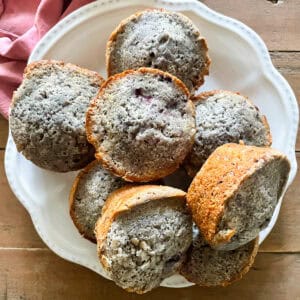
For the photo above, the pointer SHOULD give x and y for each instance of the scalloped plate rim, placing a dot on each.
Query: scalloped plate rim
(202, 11)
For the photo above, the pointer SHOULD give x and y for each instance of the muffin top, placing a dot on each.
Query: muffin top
(142, 235)
(47, 118)
(225, 117)
(159, 39)
(88, 195)
(141, 124)
(209, 267)
(234, 195)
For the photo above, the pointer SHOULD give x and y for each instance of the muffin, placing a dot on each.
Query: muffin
(141, 124)
(159, 39)
(142, 235)
(208, 267)
(225, 117)
(88, 195)
(235, 193)
(47, 118)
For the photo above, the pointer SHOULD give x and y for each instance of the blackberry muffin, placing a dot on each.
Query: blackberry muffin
(88, 195)
(141, 124)
(159, 39)
(142, 235)
(225, 117)
(47, 118)
(208, 267)
(233, 196)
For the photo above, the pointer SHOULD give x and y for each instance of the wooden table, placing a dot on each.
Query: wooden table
(29, 270)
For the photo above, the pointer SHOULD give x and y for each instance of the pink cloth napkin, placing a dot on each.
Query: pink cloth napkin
(22, 24)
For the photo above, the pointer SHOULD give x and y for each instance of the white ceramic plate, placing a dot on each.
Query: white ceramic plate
(240, 62)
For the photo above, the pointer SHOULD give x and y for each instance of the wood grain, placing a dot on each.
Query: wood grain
(29, 270)
(3, 132)
(288, 64)
(16, 228)
(40, 274)
(277, 24)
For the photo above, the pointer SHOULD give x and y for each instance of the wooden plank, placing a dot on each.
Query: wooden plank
(288, 64)
(285, 236)
(277, 24)
(16, 228)
(40, 274)
(3, 132)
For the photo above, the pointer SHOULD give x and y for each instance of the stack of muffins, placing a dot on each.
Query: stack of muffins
(140, 125)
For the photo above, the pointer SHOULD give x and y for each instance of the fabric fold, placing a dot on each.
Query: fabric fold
(22, 25)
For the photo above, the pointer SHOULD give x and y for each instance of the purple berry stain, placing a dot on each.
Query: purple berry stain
(140, 93)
